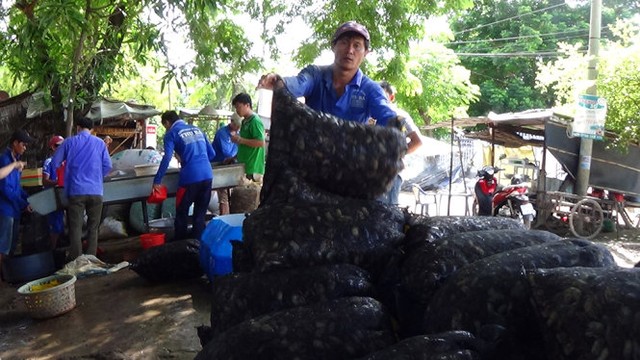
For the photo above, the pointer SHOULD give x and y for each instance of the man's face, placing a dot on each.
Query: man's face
(349, 51)
(18, 147)
(242, 109)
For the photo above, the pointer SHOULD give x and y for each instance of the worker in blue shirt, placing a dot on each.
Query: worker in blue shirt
(13, 199)
(341, 89)
(226, 151)
(195, 153)
(87, 164)
(50, 179)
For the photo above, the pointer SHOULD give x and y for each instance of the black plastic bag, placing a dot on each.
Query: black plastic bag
(176, 260)
(495, 291)
(588, 313)
(345, 328)
(241, 296)
(356, 232)
(342, 157)
(452, 345)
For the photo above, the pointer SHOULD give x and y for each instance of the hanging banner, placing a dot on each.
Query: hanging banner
(591, 113)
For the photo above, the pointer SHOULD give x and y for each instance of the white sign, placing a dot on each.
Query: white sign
(151, 135)
(591, 113)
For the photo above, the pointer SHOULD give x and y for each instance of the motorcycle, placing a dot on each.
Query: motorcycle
(509, 201)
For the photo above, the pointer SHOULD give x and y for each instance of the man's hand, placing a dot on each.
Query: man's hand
(398, 122)
(235, 139)
(19, 165)
(270, 81)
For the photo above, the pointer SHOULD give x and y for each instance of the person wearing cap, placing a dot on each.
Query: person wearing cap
(341, 89)
(50, 179)
(226, 151)
(13, 199)
(87, 162)
(195, 154)
(412, 134)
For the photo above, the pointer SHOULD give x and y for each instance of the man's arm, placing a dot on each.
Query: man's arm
(414, 142)
(256, 133)
(228, 148)
(254, 143)
(380, 106)
(7, 169)
(211, 152)
(412, 131)
(299, 85)
(106, 162)
(166, 158)
(58, 156)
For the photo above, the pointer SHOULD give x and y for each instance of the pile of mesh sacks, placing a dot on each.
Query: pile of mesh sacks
(325, 271)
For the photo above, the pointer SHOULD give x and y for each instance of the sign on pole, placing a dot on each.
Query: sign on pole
(591, 113)
(151, 136)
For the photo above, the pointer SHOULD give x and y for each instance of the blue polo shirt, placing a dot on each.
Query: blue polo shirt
(88, 162)
(13, 199)
(194, 151)
(223, 146)
(363, 98)
(47, 170)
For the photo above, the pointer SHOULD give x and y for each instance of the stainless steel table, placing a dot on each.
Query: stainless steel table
(125, 189)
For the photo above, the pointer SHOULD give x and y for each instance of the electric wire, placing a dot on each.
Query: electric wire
(518, 54)
(584, 32)
(517, 37)
(510, 18)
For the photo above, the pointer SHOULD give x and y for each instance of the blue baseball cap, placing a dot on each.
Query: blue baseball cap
(351, 26)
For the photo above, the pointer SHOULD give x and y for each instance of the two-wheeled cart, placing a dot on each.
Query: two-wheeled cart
(617, 172)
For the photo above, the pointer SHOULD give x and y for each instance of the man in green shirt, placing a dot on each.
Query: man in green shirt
(251, 138)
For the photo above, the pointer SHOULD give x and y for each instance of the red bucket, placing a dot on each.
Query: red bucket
(151, 240)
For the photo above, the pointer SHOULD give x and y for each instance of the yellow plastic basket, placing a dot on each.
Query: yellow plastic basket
(50, 301)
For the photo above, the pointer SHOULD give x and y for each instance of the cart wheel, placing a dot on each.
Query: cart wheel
(586, 219)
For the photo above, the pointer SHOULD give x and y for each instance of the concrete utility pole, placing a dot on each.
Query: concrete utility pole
(586, 145)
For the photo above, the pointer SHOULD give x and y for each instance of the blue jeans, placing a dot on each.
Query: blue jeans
(392, 197)
(198, 194)
(9, 228)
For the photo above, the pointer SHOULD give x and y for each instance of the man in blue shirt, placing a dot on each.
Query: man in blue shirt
(87, 163)
(195, 153)
(13, 199)
(50, 179)
(341, 89)
(226, 151)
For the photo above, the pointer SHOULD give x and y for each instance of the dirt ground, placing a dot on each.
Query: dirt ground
(117, 316)
(122, 316)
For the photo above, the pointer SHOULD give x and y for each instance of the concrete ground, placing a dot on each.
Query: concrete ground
(122, 316)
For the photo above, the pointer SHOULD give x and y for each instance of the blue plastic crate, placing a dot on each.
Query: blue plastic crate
(215, 245)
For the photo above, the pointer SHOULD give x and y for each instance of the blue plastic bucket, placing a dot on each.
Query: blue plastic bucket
(19, 269)
(215, 245)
